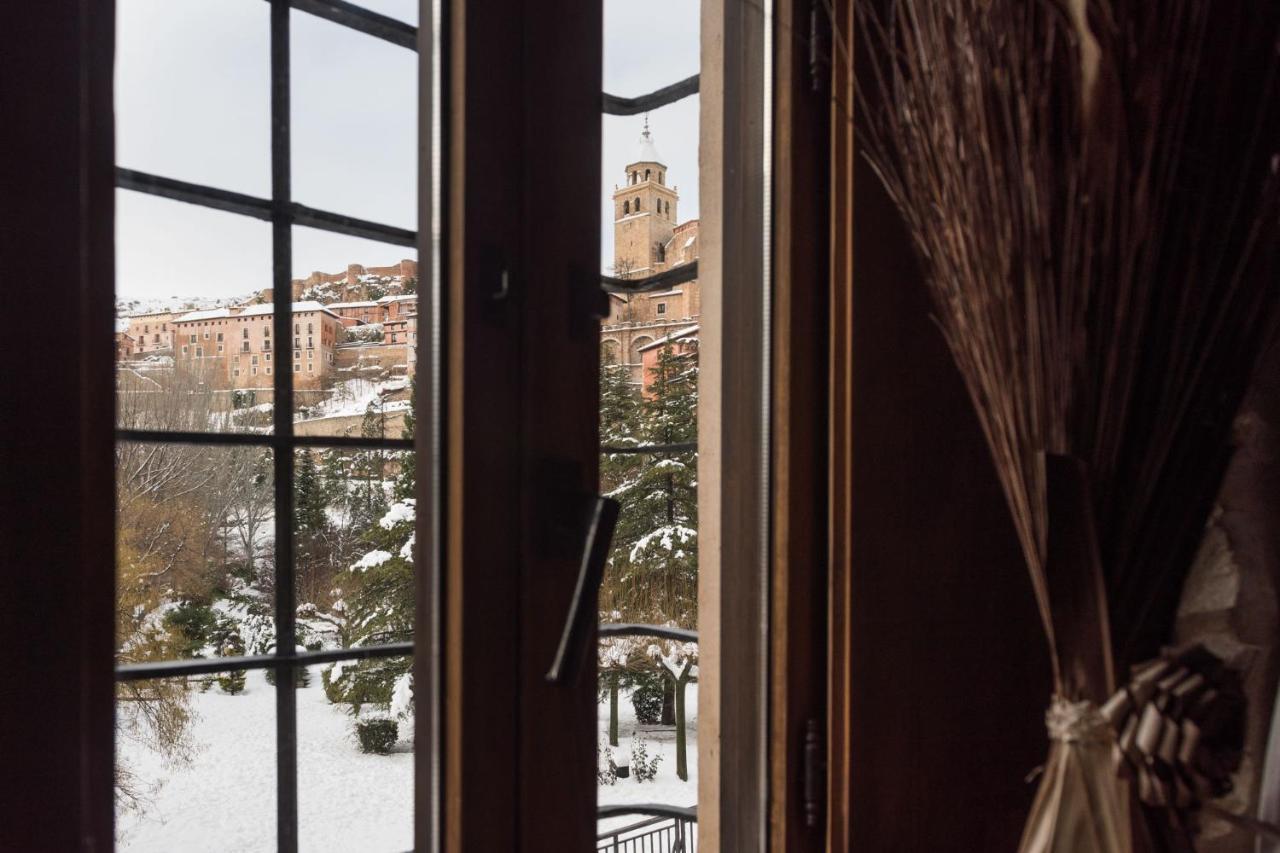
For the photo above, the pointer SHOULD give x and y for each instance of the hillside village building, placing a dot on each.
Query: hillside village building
(150, 332)
(234, 347)
(647, 240)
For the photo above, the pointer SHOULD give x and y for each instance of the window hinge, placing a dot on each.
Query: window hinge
(815, 773)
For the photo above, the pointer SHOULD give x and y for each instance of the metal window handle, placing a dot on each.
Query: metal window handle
(582, 609)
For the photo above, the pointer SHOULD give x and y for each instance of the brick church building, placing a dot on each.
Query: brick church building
(648, 238)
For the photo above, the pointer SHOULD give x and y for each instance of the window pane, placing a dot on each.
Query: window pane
(355, 758)
(648, 687)
(193, 91)
(401, 10)
(353, 543)
(187, 281)
(356, 335)
(355, 112)
(195, 764)
(195, 551)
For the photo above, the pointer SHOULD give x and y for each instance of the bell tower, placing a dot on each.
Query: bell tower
(644, 213)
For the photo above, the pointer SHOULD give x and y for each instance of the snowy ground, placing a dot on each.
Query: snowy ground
(347, 801)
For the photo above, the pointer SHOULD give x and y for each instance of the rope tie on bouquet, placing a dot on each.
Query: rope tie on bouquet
(1077, 722)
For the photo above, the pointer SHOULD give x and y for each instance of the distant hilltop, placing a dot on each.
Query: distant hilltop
(357, 283)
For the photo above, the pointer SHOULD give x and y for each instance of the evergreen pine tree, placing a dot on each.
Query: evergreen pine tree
(309, 498)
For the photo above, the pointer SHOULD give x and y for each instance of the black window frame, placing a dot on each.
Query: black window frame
(283, 213)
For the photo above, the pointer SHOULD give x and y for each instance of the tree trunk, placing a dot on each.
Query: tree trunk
(668, 700)
(613, 710)
(682, 758)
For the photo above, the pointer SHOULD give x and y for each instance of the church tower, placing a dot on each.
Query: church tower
(644, 214)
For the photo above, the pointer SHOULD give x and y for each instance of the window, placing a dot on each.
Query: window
(219, 337)
(309, 344)
(266, 346)
(219, 347)
(626, 207)
(297, 343)
(308, 328)
(244, 333)
(244, 346)
(668, 204)
(662, 307)
(193, 339)
(637, 204)
(199, 352)
(266, 331)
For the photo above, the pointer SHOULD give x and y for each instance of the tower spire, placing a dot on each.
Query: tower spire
(646, 125)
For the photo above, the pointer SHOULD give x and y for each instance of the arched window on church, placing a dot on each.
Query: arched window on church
(626, 208)
(662, 252)
(646, 174)
(668, 208)
(661, 176)
(637, 204)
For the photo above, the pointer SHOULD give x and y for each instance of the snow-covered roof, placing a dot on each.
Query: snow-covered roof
(674, 336)
(647, 152)
(399, 298)
(251, 311)
(353, 304)
(211, 314)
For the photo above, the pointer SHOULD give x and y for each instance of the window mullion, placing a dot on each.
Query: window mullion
(282, 320)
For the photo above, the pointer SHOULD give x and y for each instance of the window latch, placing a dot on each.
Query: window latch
(582, 609)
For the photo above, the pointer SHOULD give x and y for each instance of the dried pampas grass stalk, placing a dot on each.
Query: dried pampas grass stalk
(1091, 189)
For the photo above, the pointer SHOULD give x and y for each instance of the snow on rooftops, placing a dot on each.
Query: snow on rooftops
(353, 305)
(674, 336)
(204, 315)
(250, 311)
(399, 297)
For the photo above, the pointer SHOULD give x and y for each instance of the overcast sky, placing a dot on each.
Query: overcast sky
(193, 102)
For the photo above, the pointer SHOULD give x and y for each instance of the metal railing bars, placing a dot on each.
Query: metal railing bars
(205, 666)
(661, 281)
(689, 813)
(680, 447)
(656, 835)
(616, 106)
(261, 208)
(272, 440)
(362, 20)
(629, 629)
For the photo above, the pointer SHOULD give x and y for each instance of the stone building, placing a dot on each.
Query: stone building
(151, 332)
(233, 345)
(353, 283)
(647, 240)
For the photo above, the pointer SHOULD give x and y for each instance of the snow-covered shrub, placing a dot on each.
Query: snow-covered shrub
(643, 768)
(606, 767)
(377, 734)
(232, 682)
(191, 624)
(370, 333)
(646, 697)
